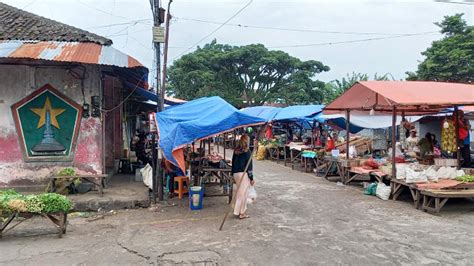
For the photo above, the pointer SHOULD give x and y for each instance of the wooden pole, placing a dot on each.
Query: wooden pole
(348, 120)
(394, 140)
(456, 128)
(245, 171)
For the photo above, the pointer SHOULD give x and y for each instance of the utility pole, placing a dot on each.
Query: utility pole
(158, 18)
(165, 51)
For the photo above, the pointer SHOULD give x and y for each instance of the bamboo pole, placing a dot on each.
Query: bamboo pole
(394, 139)
(245, 171)
(456, 128)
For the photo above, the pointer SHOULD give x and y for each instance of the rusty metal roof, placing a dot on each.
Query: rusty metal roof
(86, 53)
(17, 24)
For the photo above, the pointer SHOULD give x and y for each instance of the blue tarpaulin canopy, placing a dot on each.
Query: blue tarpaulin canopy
(298, 112)
(265, 112)
(197, 119)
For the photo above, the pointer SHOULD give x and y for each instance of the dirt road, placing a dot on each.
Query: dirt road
(298, 219)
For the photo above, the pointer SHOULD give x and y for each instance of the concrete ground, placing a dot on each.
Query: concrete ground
(122, 192)
(298, 219)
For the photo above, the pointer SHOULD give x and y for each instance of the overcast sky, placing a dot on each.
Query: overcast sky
(128, 24)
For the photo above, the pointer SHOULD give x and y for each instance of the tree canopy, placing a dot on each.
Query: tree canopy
(246, 76)
(451, 58)
(336, 87)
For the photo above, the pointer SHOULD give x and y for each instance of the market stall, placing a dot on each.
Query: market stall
(412, 98)
(195, 121)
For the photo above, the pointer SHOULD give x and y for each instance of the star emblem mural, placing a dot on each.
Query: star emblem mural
(47, 123)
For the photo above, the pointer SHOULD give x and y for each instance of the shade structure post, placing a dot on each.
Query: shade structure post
(348, 120)
(456, 128)
(394, 139)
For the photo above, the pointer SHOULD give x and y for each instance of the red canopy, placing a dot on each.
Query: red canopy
(412, 97)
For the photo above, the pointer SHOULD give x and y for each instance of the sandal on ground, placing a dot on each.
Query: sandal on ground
(243, 216)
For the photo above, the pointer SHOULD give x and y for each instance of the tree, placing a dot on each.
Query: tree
(246, 75)
(336, 87)
(451, 58)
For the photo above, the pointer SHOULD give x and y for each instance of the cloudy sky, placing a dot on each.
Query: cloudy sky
(334, 32)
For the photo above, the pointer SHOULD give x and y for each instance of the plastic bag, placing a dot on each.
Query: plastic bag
(383, 191)
(147, 173)
(352, 151)
(371, 189)
(252, 195)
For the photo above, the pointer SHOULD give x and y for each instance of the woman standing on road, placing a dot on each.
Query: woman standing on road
(240, 158)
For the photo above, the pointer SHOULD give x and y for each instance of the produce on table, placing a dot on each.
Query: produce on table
(12, 201)
(370, 164)
(55, 203)
(465, 178)
(68, 171)
(34, 204)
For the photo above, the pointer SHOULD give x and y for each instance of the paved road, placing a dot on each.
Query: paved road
(299, 219)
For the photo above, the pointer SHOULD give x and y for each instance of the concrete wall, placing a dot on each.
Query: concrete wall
(18, 81)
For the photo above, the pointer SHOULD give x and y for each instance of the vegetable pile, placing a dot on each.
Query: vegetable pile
(68, 171)
(465, 178)
(12, 201)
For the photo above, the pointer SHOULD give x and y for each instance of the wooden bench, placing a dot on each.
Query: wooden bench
(97, 180)
(58, 219)
(434, 200)
(397, 187)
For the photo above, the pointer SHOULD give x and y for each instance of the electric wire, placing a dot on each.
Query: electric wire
(215, 30)
(350, 41)
(288, 29)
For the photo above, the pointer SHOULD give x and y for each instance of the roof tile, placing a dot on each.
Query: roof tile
(17, 24)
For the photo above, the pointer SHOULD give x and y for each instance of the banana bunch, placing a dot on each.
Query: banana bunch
(448, 137)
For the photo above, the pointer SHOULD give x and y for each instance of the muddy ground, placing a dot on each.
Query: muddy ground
(298, 219)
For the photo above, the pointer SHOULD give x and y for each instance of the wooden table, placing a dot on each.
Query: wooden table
(355, 174)
(58, 219)
(331, 162)
(434, 200)
(397, 187)
(97, 180)
(226, 181)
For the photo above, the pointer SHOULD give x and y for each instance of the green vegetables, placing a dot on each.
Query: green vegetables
(465, 178)
(12, 201)
(54, 202)
(68, 171)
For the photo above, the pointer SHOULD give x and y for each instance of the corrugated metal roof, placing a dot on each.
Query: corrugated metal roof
(86, 53)
(412, 96)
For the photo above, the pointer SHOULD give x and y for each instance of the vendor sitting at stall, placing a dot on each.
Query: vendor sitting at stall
(171, 171)
(412, 141)
(426, 145)
(331, 142)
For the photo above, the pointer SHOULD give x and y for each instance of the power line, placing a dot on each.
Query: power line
(289, 29)
(214, 31)
(466, 2)
(134, 22)
(352, 41)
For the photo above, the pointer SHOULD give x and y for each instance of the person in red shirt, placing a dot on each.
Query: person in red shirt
(269, 132)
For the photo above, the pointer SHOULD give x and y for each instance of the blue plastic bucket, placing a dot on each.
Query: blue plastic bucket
(196, 194)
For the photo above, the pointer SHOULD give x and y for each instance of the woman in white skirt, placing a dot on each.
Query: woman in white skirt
(241, 156)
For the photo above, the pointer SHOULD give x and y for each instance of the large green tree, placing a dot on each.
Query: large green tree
(246, 76)
(451, 58)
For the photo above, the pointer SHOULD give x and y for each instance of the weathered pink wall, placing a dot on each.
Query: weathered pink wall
(89, 146)
(18, 81)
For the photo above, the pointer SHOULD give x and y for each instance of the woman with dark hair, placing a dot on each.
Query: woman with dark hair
(244, 180)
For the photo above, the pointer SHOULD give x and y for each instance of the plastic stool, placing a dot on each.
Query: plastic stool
(181, 190)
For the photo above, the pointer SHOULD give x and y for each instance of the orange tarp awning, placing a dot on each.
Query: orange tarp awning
(410, 96)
